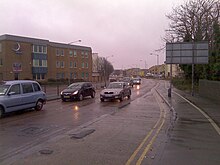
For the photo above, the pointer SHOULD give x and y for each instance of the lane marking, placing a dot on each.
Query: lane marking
(142, 143)
(155, 135)
(162, 117)
(216, 127)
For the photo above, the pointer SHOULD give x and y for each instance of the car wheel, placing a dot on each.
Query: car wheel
(93, 94)
(63, 100)
(80, 97)
(102, 100)
(129, 96)
(122, 97)
(39, 105)
(1, 112)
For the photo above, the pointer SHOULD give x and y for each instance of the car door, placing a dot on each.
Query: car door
(28, 95)
(86, 89)
(13, 98)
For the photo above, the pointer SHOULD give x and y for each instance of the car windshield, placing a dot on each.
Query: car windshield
(74, 86)
(3, 89)
(115, 85)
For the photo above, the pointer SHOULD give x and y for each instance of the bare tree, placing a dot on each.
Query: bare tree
(193, 21)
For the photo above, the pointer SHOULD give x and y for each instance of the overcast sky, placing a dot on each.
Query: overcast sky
(128, 30)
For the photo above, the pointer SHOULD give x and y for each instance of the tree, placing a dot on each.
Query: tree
(196, 20)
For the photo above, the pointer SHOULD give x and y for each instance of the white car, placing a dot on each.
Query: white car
(115, 90)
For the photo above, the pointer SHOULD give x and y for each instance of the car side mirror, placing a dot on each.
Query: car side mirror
(11, 93)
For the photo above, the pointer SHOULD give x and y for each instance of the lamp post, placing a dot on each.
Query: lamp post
(157, 58)
(105, 69)
(70, 59)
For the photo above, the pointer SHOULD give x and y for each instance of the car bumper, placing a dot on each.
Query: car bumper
(69, 97)
(110, 96)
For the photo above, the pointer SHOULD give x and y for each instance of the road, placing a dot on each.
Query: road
(136, 131)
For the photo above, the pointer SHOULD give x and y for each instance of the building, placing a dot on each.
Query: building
(176, 70)
(39, 59)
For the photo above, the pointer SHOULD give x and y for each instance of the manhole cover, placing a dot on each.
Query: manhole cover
(82, 134)
(46, 152)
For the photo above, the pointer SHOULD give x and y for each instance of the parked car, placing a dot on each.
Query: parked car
(77, 91)
(128, 80)
(136, 81)
(20, 94)
(115, 90)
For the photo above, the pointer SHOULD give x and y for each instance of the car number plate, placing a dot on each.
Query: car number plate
(66, 97)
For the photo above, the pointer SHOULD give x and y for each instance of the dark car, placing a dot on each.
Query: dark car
(128, 80)
(77, 91)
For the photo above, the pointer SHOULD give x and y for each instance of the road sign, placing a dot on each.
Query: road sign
(187, 53)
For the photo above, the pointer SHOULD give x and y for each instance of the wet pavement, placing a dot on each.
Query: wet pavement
(194, 136)
(187, 136)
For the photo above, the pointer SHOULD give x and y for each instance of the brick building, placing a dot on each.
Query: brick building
(39, 59)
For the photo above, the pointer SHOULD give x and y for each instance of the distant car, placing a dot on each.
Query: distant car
(77, 91)
(115, 90)
(136, 81)
(128, 80)
(20, 94)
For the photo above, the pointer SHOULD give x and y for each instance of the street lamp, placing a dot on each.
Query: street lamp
(157, 59)
(69, 57)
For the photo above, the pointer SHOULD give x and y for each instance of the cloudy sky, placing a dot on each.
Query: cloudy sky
(125, 31)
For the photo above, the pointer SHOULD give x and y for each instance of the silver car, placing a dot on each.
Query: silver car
(20, 94)
(115, 90)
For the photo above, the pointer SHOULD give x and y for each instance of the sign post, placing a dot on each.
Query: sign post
(187, 53)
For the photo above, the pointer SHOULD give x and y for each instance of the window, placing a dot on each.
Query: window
(62, 52)
(27, 88)
(71, 64)
(86, 54)
(87, 75)
(44, 63)
(82, 54)
(62, 64)
(0, 47)
(75, 75)
(74, 53)
(87, 65)
(35, 63)
(58, 64)
(82, 64)
(16, 89)
(40, 49)
(75, 65)
(71, 53)
(59, 52)
(36, 87)
(82, 74)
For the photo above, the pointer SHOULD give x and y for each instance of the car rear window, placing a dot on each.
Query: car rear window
(36, 87)
(27, 88)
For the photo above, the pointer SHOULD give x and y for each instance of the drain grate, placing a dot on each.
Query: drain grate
(82, 134)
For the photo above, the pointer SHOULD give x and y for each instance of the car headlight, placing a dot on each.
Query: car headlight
(61, 93)
(74, 93)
